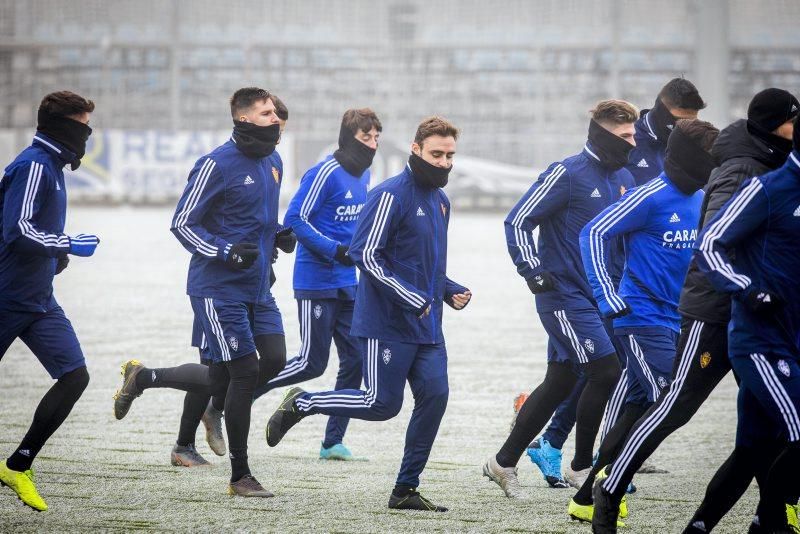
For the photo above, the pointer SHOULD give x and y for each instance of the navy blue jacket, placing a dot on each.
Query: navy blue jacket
(659, 225)
(646, 160)
(230, 199)
(33, 209)
(324, 213)
(400, 247)
(761, 225)
(566, 196)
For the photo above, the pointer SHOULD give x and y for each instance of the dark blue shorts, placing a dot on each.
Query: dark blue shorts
(577, 336)
(650, 352)
(49, 335)
(200, 341)
(230, 326)
(769, 399)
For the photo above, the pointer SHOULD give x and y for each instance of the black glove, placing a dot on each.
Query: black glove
(762, 302)
(242, 256)
(62, 263)
(274, 254)
(286, 240)
(622, 313)
(342, 257)
(541, 282)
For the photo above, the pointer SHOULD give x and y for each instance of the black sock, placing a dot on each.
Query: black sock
(218, 402)
(726, 487)
(271, 356)
(53, 409)
(534, 414)
(782, 481)
(243, 374)
(194, 405)
(601, 377)
(192, 377)
(609, 448)
(402, 491)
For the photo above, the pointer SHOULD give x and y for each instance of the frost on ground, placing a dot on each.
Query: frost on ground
(128, 301)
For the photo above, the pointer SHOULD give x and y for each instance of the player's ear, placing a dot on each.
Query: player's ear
(416, 149)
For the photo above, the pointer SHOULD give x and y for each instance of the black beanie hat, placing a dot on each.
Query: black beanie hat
(772, 107)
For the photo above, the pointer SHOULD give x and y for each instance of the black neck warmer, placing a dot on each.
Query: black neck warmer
(255, 141)
(780, 147)
(68, 132)
(611, 149)
(686, 164)
(426, 175)
(661, 121)
(353, 155)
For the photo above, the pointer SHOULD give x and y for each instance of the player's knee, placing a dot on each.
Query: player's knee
(605, 370)
(386, 408)
(76, 381)
(244, 371)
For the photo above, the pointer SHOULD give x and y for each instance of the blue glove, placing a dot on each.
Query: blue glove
(83, 245)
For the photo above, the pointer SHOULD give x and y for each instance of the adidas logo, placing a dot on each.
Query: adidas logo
(595, 193)
(420, 213)
(349, 194)
(794, 108)
(643, 164)
(674, 218)
(25, 452)
(248, 180)
(797, 212)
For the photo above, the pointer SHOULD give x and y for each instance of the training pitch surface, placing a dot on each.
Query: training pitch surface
(128, 301)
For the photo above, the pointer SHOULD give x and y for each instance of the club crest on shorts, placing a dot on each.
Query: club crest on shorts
(589, 344)
(662, 382)
(783, 367)
(317, 311)
(705, 359)
(234, 343)
(387, 355)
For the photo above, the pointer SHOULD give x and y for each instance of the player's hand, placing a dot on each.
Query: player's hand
(541, 283)
(460, 300)
(62, 263)
(426, 312)
(242, 256)
(342, 257)
(762, 302)
(286, 240)
(83, 244)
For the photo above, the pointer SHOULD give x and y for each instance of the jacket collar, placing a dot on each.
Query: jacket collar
(54, 147)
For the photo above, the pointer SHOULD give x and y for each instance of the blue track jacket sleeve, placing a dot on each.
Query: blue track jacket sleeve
(304, 204)
(741, 216)
(206, 183)
(23, 199)
(624, 216)
(548, 194)
(380, 216)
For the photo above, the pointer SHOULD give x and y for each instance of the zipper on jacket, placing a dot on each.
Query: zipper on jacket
(435, 216)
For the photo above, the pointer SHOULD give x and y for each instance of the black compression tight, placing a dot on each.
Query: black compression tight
(601, 377)
(243, 372)
(194, 405)
(53, 409)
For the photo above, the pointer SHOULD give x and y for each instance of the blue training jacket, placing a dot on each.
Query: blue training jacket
(646, 160)
(230, 199)
(659, 224)
(400, 247)
(33, 209)
(560, 203)
(761, 224)
(323, 214)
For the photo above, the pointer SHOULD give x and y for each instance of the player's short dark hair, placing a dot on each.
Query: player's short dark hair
(363, 119)
(681, 93)
(435, 125)
(65, 103)
(702, 132)
(614, 112)
(280, 108)
(245, 98)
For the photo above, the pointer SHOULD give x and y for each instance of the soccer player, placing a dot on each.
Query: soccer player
(748, 147)
(761, 224)
(678, 99)
(33, 249)
(564, 198)
(658, 222)
(198, 406)
(228, 218)
(324, 213)
(400, 247)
